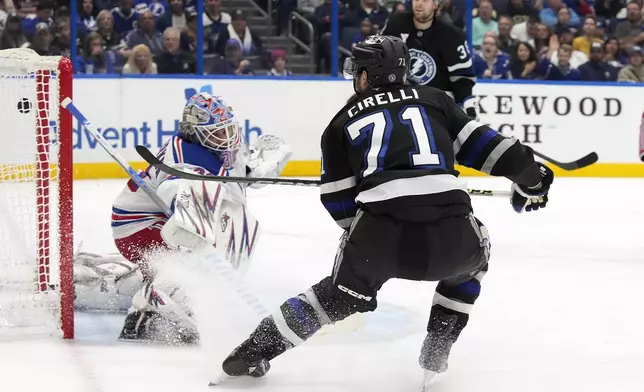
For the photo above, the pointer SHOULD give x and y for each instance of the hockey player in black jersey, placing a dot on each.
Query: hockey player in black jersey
(388, 179)
(440, 55)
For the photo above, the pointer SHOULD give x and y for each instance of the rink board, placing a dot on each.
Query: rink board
(564, 121)
(312, 169)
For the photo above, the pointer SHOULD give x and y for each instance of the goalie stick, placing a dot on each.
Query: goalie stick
(222, 267)
(150, 158)
(69, 105)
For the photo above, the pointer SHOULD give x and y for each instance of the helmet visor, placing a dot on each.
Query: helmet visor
(349, 69)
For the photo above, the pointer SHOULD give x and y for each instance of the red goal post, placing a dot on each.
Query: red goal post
(36, 194)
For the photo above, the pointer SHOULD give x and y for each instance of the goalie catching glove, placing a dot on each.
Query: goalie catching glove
(525, 198)
(268, 157)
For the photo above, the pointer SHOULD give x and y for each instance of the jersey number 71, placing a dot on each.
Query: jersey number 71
(378, 127)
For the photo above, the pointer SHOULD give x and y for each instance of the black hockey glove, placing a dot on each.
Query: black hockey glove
(471, 113)
(469, 107)
(532, 198)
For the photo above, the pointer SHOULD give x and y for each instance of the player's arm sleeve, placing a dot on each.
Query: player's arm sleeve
(480, 147)
(460, 68)
(338, 183)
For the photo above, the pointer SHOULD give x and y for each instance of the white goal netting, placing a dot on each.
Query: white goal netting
(30, 187)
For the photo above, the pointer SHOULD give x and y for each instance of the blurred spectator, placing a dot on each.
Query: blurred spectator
(278, 57)
(62, 36)
(631, 31)
(238, 30)
(87, 17)
(8, 7)
(369, 9)
(42, 40)
(157, 7)
(400, 7)
(566, 37)
(448, 13)
(582, 43)
(62, 11)
(550, 15)
(520, 10)
(174, 16)
(146, 34)
(213, 19)
(612, 53)
(491, 63)
(140, 62)
(124, 17)
(575, 57)
(595, 69)
(541, 39)
(233, 62)
(283, 9)
(189, 34)
(563, 21)
(523, 61)
(12, 36)
(483, 23)
(505, 38)
(44, 12)
(22, 8)
(3, 17)
(322, 19)
(307, 7)
(562, 62)
(524, 64)
(93, 59)
(322, 16)
(366, 29)
(173, 60)
(634, 71)
(105, 27)
(608, 9)
(525, 31)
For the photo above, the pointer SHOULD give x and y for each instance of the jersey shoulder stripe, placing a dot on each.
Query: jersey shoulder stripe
(184, 152)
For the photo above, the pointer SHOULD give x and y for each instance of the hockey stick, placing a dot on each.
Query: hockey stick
(156, 163)
(69, 105)
(580, 163)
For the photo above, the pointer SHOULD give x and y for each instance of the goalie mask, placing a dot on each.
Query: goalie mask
(207, 120)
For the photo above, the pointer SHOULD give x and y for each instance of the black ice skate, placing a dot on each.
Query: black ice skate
(434, 353)
(252, 357)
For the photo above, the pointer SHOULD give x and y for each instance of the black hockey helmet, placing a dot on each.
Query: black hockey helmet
(383, 57)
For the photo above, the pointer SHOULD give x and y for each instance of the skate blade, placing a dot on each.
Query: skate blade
(218, 379)
(428, 380)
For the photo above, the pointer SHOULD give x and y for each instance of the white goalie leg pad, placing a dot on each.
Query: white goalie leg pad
(165, 299)
(195, 217)
(269, 156)
(105, 282)
(237, 235)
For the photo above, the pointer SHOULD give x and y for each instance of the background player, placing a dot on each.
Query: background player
(388, 179)
(440, 55)
(204, 213)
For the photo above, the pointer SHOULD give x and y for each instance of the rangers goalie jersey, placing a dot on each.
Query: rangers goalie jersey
(133, 210)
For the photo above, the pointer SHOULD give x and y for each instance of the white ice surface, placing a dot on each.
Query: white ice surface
(560, 310)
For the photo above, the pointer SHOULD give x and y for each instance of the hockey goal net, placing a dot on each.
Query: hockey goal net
(36, 243)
